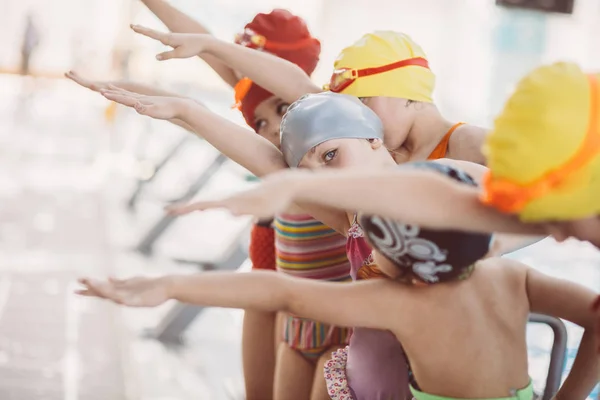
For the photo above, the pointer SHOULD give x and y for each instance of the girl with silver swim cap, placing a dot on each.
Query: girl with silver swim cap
(337, 130)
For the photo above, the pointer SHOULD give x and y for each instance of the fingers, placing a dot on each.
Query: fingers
(144, 109)
(101, 288)
(120, 98)
(86, 293)
(168, 55)
(182, 209)
(164, 38)
(87, 290)
(72, 75)
(120, 283)
(116, 89)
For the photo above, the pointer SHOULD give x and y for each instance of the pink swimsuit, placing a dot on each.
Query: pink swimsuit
(373, 366)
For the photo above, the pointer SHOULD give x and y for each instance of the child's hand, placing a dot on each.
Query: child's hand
(134, 292)
(273, 196)
(159, 107)
(96, 86)
(184, 45)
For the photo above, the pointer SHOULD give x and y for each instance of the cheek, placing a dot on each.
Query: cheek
(271, 130)
(308, 164)
(348, 158)
(274, 123)
(395, 120)
(588, 230)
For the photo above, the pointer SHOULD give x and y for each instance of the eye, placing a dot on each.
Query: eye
(259, 124)
(282, 108)
(330, 155)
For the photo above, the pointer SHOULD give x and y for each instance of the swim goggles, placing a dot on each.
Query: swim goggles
(344, 77)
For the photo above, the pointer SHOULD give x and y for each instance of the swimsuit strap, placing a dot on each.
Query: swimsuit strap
(442, 147)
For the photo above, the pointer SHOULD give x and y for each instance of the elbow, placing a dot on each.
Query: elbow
(302, 87)
(311, 87)
(307, 87)
(593, 323)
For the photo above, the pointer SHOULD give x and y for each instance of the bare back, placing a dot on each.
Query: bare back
(484, 354)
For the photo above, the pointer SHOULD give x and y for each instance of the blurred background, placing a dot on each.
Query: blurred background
(83, 183)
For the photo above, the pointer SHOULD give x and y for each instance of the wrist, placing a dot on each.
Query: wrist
(185, 108)
(300, 185)
(210, 44)
(170, 284)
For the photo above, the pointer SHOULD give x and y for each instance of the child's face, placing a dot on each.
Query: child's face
(347, 153)
(397, 116)
(267, 118)
(587, 229)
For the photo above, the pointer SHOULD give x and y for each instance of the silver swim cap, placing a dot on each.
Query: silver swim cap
(317, 118)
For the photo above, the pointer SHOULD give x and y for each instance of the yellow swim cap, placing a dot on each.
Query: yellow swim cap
(544, 151)
(412, 81)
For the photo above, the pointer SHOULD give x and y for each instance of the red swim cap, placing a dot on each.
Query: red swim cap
(280, 33)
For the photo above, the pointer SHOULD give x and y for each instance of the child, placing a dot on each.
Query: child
(474, 346)
(299, 244)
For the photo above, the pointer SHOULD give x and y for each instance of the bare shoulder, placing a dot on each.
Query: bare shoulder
(504, 268)
(466, 143)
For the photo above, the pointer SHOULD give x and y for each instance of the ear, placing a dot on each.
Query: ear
(376, 143)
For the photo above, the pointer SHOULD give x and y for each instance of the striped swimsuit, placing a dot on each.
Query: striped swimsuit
(306, 248)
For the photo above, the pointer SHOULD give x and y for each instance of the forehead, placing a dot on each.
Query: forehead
(267, 107)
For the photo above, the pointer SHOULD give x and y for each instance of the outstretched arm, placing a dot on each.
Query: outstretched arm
(243, 146)
(136, 87)
(281, 77)
(406, 194)
(179, 22)
(421, 197)
(343, 304)
(573, 302)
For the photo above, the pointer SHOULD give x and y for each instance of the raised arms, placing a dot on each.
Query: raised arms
(179, 22)
(284, 79)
